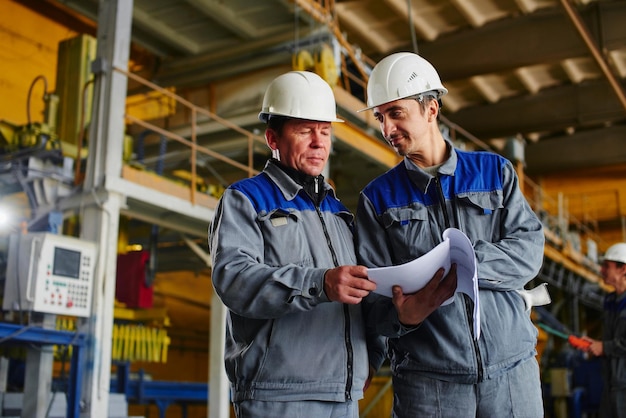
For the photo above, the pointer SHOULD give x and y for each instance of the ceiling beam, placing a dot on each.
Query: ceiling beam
(227, 17)
(81, 16)
(523, 41)
(160, 30)
(594, 148)
(600, 58)
(585, 104)
(229, 62)
(66, 16)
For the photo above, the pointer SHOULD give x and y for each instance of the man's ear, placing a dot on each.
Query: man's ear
(433, 110)
(271, 138)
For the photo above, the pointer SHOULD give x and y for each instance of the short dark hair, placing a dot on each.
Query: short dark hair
(276, 123)
(618, 264)
(424, 98)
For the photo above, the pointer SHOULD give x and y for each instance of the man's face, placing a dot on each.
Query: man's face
(613, 275)
(302, 144)
(404, 124)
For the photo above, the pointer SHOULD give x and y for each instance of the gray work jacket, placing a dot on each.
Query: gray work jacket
(401, 217)
(271, 247)
(614, 342)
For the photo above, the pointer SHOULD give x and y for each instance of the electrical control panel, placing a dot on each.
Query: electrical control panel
(49, 273)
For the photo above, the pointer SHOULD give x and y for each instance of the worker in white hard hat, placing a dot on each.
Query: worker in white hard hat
(439, 367)
(285, 267)
(612, 346)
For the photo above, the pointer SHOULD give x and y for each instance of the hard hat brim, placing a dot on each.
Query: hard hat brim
(438, 96)
(264, 117)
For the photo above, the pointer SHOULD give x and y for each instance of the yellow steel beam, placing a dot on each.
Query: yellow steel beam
(371, 147)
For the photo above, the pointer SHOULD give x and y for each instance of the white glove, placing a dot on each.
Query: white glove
(538, 296)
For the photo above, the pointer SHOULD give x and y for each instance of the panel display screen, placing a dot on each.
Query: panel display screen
(66, 263)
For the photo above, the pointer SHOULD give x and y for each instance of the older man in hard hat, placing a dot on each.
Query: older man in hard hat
(440, 369)
(612, 347)
(284, 264)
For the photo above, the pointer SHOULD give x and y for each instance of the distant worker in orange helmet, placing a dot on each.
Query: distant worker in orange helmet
(612, 347)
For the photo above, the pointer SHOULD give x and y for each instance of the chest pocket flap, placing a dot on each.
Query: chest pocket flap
(486, 202)
(404, 215)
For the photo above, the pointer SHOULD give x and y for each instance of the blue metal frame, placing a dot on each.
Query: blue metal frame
(162, 393)
(12, 333)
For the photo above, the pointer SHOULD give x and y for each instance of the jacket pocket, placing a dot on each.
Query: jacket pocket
(284, 236)
(408, 231)
(289, 350)
(480, 214)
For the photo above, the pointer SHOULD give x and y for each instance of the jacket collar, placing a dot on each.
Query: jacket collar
(287, 185)
(422, 179)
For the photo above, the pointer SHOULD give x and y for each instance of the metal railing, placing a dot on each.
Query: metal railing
(579, 238)
(192, 143)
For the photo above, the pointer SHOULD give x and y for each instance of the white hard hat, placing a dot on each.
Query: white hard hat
(402, 75)
(301, 95)
(616, 252)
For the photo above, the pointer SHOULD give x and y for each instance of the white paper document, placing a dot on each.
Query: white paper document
(414, 275)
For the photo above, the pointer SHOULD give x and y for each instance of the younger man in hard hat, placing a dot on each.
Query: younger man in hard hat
(284, 265)
(612, 347)
(439, 368)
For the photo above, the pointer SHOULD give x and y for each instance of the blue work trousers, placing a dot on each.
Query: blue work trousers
(516, 393)
(296, 409)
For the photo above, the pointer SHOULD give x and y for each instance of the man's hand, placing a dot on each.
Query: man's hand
(414, 308)
(595, 347)
(347, 284)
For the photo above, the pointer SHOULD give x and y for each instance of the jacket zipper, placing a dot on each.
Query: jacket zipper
(442, 201)
(346, 312)
(466, 302)
(479, 362)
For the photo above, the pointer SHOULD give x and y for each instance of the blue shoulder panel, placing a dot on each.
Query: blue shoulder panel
(476, 172)
(394, 190)
(265, 196)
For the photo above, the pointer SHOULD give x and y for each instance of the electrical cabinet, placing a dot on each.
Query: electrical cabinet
(49, 273)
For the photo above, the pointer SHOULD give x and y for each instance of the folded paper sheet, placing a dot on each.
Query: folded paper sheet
(414, 275)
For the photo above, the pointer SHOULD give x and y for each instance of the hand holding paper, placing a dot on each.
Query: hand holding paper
(414, 308)
(414, 275)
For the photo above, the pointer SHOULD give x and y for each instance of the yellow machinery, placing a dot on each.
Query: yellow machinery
(41, 135)
(321, 62)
